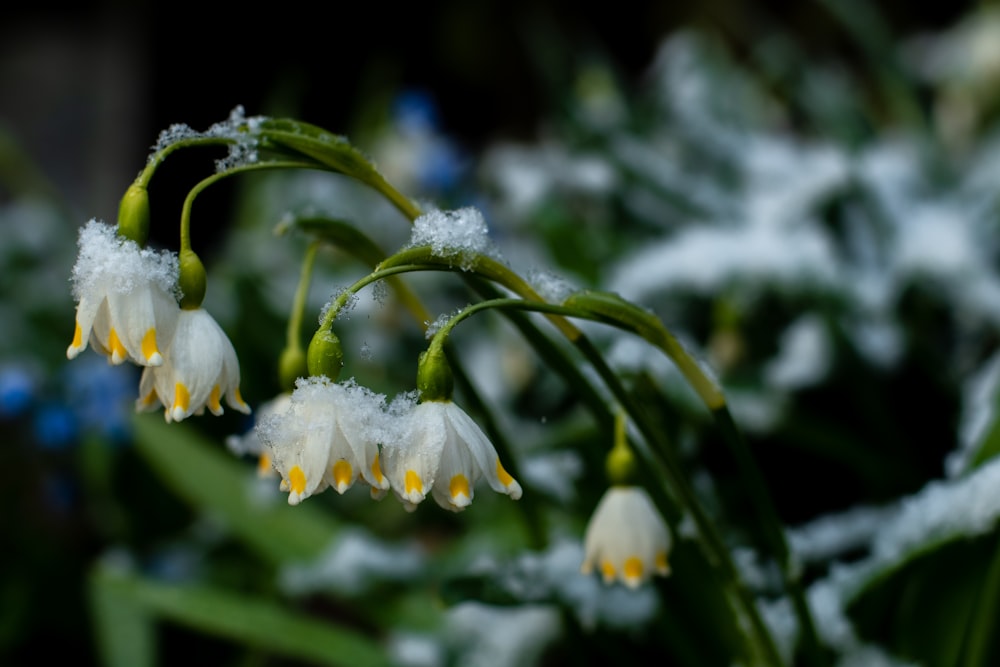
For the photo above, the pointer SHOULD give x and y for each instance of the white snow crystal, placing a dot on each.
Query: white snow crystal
(104, 254)
(457, 235)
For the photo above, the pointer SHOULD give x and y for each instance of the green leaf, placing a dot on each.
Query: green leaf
(938, 606)
(211, 480)
(338, 233)
(123, 598)
(123, 629)
(334, 152)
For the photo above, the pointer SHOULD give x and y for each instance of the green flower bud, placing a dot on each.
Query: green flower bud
(192, 280)
(291, 365)
(325, 356)
(620, 464)
(133, 214)
(434, 378)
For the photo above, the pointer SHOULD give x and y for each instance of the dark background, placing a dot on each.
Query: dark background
(87, 91)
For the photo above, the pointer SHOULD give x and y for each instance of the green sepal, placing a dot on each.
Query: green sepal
(434, 378)
(620, 465)
(192, 280)
(133, 214)
(325, 356)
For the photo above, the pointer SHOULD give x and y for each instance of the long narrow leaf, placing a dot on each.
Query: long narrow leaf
(243, 619)
(206, 477)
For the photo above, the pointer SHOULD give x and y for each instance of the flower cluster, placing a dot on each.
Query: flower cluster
(127, 309)
(333, 434)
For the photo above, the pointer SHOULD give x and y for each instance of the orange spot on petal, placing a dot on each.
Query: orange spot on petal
(632, 570)
(377, 470)
(459, 486)
(213, 401)
(343, 475)
(504, 476)
(118, 352)
(296, 480)
(182, 400)
(149, 349)
(413, 483)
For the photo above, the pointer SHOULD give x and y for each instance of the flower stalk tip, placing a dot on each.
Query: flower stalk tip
(435, 381)
(133, 215)
(325, 356)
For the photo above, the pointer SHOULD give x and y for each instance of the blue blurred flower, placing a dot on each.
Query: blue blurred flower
(101, 396)
(414, 111)
(17, 391)
(55, 426)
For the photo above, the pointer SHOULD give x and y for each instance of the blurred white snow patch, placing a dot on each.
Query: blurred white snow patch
(410, 649)
(832, 535)
(786, 181)
(756, 575)
(962, 507)
(755, 411)
(555, 573)
(936, 241)
(481, 635)
(526, 176)
(353, 561)
(705, 260)
(632, 354)
(979, 410)
(879, 340)
(889, 170)
(553, 473)
(826, 599)
(967, 54)
(460, 234)
(656, 161)
(804, 355)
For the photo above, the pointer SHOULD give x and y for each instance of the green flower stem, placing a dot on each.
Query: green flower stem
(348, 238)
(484, 267)
(716, 549)
(294, 331)
(215, 178)
(348, 162)
(612, 309)
(157, 159)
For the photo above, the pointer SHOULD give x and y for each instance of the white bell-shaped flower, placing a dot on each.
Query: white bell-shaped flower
(328, 436)
(126, 297)
(626, 538)
(199, 368)
(443, 452)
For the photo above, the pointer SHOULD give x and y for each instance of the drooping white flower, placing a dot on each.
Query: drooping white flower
(328, 436)
(626, 538)
(126, 297)
(250, 442)
(199, 368)
(444, 452)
